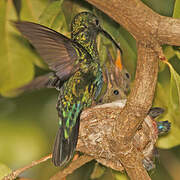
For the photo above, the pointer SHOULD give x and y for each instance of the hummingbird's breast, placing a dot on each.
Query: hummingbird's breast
(85, 84)
(80, 87)
(87, 39)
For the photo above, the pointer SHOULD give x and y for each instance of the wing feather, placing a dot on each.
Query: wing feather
(57, 50)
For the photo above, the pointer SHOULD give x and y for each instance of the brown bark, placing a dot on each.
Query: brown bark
(141, 21)
(73, 166)
(150, 31)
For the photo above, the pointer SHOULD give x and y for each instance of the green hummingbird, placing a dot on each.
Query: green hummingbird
(77, 73)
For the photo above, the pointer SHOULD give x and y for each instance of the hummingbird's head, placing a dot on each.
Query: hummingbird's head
(83, 23)
(84, 29)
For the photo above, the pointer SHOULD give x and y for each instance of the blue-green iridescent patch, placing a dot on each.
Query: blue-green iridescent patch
(66, 135)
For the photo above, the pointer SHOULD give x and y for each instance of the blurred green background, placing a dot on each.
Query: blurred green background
(28, 122)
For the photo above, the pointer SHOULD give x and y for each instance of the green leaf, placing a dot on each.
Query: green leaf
(107, 175)
(162, 7)
(168, 97)
(174, 88)
(4, 170)
(169, 52)
(162, 99)
(16, 67)
(162, 66)
(176, 13)
(98, 171)
(31, 10)
(120, 176)
(177, 52)
(53, 17)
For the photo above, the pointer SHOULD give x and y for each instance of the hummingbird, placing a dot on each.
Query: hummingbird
(77, 74)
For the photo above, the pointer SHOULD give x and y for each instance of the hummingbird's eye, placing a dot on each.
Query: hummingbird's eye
(97, 22)
(116, 92)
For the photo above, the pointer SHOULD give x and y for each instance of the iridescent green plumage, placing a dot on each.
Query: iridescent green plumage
(81, 89)
(77, 74)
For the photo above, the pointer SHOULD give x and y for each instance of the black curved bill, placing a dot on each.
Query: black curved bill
(110, 38)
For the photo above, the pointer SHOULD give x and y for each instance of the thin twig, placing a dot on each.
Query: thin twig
(17, 172)
(72, 166)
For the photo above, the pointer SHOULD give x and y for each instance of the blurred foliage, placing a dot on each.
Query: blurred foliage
(176, 13)
(27, 122)
(161, 7)
(4, 170)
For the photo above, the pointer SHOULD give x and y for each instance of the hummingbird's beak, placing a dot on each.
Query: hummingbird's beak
(107, 35)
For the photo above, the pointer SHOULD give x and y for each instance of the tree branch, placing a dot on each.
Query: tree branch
(132, 116)
(17, 172)
(141, 21)
(72, 167)
(75, 164)
(169, 31)
(140, 100)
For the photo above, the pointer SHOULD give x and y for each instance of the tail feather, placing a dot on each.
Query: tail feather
(64, 148)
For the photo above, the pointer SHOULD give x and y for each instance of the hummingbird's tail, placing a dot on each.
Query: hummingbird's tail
(65, 147)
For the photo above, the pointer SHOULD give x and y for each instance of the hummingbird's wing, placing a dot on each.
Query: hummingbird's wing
(57, 50)
(49, 80)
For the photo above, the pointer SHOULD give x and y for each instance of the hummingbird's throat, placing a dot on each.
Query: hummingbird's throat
(88, 40)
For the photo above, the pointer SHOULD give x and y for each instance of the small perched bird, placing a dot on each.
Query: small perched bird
(116, 79)
(77, 73)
